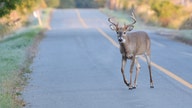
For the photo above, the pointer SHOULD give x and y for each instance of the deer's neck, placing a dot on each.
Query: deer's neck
(124, 48)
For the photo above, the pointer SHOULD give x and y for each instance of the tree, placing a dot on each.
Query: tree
(166, 11)
(7, 5)
(84, 3)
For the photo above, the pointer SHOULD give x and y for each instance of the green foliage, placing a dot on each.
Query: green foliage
(81, 3)
(67, 4)
(27, 6)
(23, 7)
(7, 5)
(85, 4)
(17, 16)
(100, 3)
(13, 58)
(52, 3)
(166, 11)
(16, 56)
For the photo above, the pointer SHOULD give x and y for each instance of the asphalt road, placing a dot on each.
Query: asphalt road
(78, 67)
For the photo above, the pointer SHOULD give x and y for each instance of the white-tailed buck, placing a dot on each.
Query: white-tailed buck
(131, 45)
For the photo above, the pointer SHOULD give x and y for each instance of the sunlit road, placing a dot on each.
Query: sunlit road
(78, 67)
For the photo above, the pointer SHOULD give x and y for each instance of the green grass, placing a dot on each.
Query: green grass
(16, 54)
(13, 57)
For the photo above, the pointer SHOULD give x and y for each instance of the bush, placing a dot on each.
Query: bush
(166, 11)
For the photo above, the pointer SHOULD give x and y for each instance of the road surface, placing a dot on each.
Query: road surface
(78, 66)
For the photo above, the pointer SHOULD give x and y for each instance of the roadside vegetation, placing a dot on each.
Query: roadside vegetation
(183, 35)
(18, 43)
(164, 13)
(20, 31)
(14, 64)
(17, 51)
(170, 18)
(81, 3)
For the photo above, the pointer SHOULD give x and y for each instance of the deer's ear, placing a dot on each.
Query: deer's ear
(130, 28)
(113, 27)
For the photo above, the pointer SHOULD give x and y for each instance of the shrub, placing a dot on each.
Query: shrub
(167, 12)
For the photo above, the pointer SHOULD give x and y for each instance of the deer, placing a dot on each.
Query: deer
(132, 45)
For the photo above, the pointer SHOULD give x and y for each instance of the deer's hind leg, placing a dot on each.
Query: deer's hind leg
(149, 67)
(138, 67)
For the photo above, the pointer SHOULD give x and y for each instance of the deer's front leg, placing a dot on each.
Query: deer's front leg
(131, 71)
(124, 61)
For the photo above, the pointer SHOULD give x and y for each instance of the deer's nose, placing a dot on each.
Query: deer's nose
(120, 39)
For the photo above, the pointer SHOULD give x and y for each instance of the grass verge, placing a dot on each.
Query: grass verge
(184, 36)
(16, 55)
(14, 63)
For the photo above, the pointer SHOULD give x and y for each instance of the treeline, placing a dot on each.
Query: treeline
(166, 13)
(15, 13)
(11, 9)
(81, 3)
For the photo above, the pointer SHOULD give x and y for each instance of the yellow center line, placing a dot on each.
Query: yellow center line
(108, 37)
(167, 72)
(81, 19)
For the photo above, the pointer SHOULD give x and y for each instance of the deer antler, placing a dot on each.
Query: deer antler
(133, 18)
(109, 19)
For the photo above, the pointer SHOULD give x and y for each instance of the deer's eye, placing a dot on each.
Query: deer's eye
(117, 32)
(124, 32)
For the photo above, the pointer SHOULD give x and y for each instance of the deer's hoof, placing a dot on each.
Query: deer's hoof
(129, 57)
(151, 86)
(130, 87)
(134, 88)
(126, 83)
